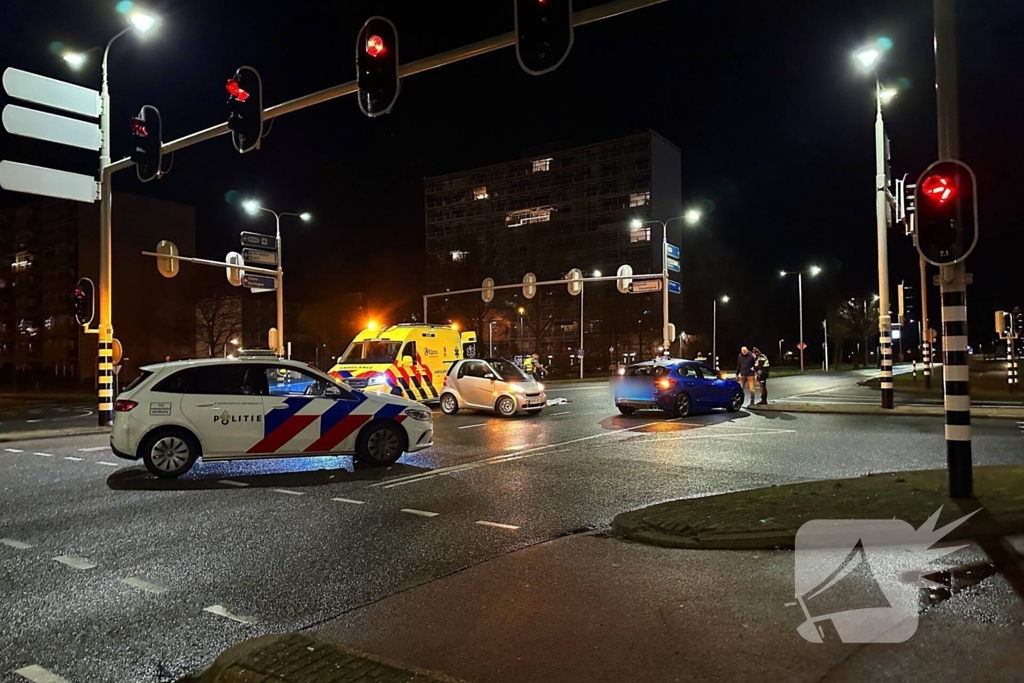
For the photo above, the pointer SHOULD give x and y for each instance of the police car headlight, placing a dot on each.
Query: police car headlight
(421, 415)
(376, 380)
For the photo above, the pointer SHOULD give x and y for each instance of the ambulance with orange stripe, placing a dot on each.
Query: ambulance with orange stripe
(409, 360)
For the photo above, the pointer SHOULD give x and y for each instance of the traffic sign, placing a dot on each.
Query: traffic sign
(624, 281)
(118, 352)
(234, 271)
(672, 251)
(47, 182)
(801, 346)
(488, 290)
(579, 353)
(674, 287)
(673, 265)
(255, 239)
(644, 286)
(575, 277)
(53, 93)
(255, 281)
(530, 285)
(259, 257)
(44, 126)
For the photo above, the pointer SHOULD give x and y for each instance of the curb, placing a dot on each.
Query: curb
(857, 409)
(29, 435)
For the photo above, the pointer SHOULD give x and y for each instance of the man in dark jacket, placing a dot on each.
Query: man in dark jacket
(745, 372)
(761, 365)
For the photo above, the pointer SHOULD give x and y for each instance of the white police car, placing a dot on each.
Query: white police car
(233, 409)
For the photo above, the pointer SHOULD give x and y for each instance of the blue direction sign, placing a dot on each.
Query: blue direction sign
(673, 265)
(673, 286)
(255, 239)
(259, 281)
(672, 251)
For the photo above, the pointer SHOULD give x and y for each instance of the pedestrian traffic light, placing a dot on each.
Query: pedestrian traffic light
(543, 34)
(1018, 322)
(947, 212)
(245, 109)
(377, 66)
(83, 297)
(147, 134)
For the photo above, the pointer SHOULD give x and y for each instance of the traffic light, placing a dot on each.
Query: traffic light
(377, 66)
(947, 212)
(543, 34)
(83, 296)
(1018, 322)
(147, 133)
(245, 109)
(1004, 324)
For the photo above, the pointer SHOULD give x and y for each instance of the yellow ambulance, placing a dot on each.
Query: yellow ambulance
(408, 359)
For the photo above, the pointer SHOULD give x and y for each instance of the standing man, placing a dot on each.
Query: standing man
(761, 365)
(700, 357)
(745, 372)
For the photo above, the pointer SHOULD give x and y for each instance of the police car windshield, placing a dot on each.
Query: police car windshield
(371, 352)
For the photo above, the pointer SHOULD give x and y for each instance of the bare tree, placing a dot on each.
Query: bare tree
(218, 321)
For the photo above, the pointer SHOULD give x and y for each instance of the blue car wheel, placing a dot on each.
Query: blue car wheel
(681, 407)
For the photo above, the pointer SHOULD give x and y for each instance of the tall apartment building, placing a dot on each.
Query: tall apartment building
(49, 245)
(546, 214)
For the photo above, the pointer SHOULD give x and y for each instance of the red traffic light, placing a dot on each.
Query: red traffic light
(375, 46)
(236, 91)
(938, 188)
(139, 128)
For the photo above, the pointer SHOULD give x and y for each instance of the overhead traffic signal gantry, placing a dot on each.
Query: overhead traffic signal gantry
(245, 109)
(544, 34)
(147, 135)
(377, 66)
(946, 202)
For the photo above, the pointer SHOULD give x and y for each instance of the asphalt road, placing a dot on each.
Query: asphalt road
(46, 415)
(107, 573)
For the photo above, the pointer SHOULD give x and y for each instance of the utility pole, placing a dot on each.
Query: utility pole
(824, 326)
(881, 229)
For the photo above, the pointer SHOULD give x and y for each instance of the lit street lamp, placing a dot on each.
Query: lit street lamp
(812, 271)
(714, 329)
(253, 207)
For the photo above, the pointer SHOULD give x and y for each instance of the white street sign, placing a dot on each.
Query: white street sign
(44, 126)
(624, 273)
(260, 257)
(53, 93)
(47, 182)
(644, 286)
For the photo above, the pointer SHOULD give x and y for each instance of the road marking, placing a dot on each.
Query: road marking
(71, 457)
(34, 411)
(222, 611)
(496, 525)
(482, 424)
(142, 584)
(420, 513)
(38, 674)
(564, 412)
(14, 450)
(513, 449)
(11, 543)
(75, 562)
(231, 482)
(107, 463)
(350, 500)
(33, 421)
(45, 455)
(559, 390)
(90, 449)
(289, 492)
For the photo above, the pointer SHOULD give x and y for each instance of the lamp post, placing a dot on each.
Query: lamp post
(868, 59)
(253, 207)
(780, 351)
(142, 23)
(692, 217)
(714, 329)
(521, 311)
(490, 339)
(813, 271)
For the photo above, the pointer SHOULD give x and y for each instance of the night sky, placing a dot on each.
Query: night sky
(774, 123)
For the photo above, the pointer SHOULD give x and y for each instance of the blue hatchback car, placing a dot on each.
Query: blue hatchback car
(676, 386)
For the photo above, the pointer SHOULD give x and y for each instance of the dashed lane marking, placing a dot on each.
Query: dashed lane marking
(420, 513)
(33, 421)
(482, 424)
(45, 455)
(564, 412)
(75, 562)
(38, 674)
(222, 611)
(11, 543)
(350, 500)
(91, 449)
(14, 450)
(231, 482)
(143, 584)
(107, 463)
(289, 492)
(71, 457)
(496, 525)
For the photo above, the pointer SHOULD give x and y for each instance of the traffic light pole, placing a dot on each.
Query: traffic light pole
(952, 278)
(881, 207)
(926, 342)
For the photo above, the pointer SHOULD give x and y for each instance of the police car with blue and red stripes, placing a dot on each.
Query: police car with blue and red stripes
(258, 407)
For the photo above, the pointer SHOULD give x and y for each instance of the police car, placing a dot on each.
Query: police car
(233, 409)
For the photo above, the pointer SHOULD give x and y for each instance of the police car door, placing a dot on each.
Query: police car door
(224, 403)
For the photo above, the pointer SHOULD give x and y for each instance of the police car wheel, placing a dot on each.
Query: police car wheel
(736, 402)
(169, 453)
(380, 444)
(681, 408)
(506, 406)
(449, 404)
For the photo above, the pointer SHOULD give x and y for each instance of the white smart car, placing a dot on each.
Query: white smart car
(493, 384)
(233, 409)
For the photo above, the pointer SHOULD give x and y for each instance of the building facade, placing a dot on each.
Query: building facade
(546, 214)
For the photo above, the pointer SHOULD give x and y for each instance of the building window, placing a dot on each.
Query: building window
(48, 323)
(541, 165)
(22, 261)
(539, 214)
(641, 234)
(459, 256)
(639, 199)
(480, 193)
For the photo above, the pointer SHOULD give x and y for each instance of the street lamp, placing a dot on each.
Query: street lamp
(233, 342)
(142, 22)
(714, 328)
(253, 207)
(521, 312)
(812, 271)
(868, 59)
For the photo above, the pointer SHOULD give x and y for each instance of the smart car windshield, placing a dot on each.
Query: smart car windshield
(508, 371)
